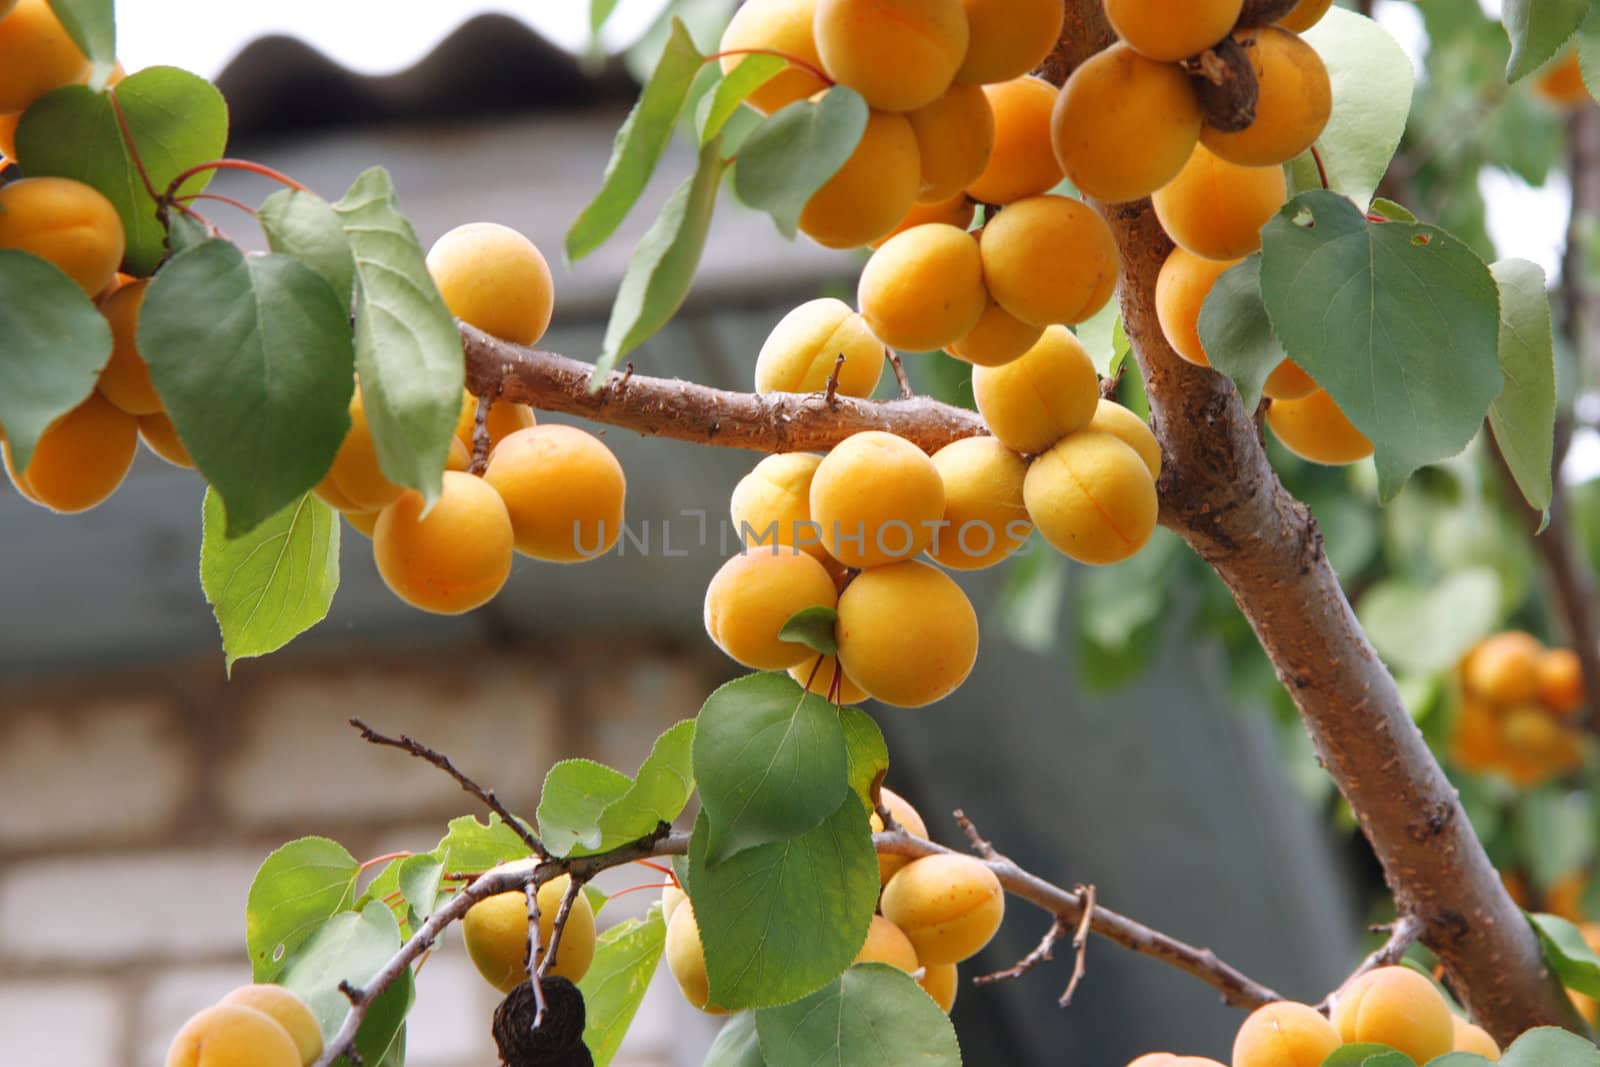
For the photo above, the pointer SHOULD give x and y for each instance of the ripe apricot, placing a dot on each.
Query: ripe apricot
(1170, 32)
(125, 379)
(495, 930)
(1216, 209)
(505, 418)
(1561, 681)
(1284, 1034)
(910, 821)
(80, 458)
(772, 504)
(878, 498)
(898, 54)
(1561, 83)
(1050, 260)
(1475, 1039)
(563, 489)
(997, 339)
(874, 189)
(948, 905)
(1289, 381)
(66, 223)
(362, 522)
(232, 1035)
(907, 633)
(1041, 397)
(957, 212)
(686, 959)
(1112, 418)
(1292, 107)
(1304, 15)
(1021, 163)
(1398, 1007)
(161, 437)
(8, 135)
(923, 289)
(1167, 1059)
(941, 981)
(821, 676)
(672, 897)
(1314, 429)
(777, 26)
(799, 354)
(356, 473)
(454, 559)
(286, 1008)
(1093, 498)
(1475, 742)
(985, 519)
(1504, 668)
(955, 136)
(36, 55)
(1182, 286)
(494, 278)
(753, 594)
(887, 943)
(1008, 38)
(1124, 125)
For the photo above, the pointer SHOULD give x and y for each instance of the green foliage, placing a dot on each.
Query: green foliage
(1236, 332)
(624, 961)
(176, 120)
(1361, 1055)
(1568, 954)
(56, 344)
(586, 807)
(419, 878)
(470, 846)
(273, 583)
(296, 889)
(871, 1008)
(814, 628)
(92, 25)
(1554, 830)
(1105, 339)
(1429, 626)
(792, 154)
(1549, 1047)
(352, 947)
(1538, 29)
(868, 753)
(1119, 612)
(1523, 416)
(737, 1044)
(717, 107)
(302, 224)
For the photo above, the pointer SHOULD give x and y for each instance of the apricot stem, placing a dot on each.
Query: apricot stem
(1322, 170)
(231, 164)
(374, 861)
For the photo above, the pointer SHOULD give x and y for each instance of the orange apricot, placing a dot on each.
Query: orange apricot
(8, 135)
(1182, 286)
(1304, 15)
(1504, 669)
(940, 981)
(125, 379)
(1022, 162)
(887, 943)
(874, 189)
(909, 819)
(776, 26)
(1036, 400)
(998, 338)
(1314, 429)
(1561, 681)
(800, 353)
(1112, 418)
(1284, 1034)
(686, 959)
(1050, 260)
(494, 278)
(362, 522)
(1216, 209)
(455, 558)
(1561, 83)
(985, 519)
(907, 635)
(878, 498)
(753, 594)
(955, 137)
(36, 55)
(232, 1035)
(1170, 32)
(285, 1007)
(1092, 498)
(772, 504)
(1289, 381)
(495, 931)
(898, 54)
(957, 212)
(356, 474)
(1474, 1039)
(65, 223)
(1008, 38)
(80, 458)
(924, 288)
(505, 418)
(1398, 1007)
(161, 437)
(948, 905)
(1292, 107)
(563, 490)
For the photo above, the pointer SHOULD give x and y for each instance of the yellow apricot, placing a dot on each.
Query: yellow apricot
(286, 1008)
(985, 519)
(1167, 1059)
(36, 55)
(125, 379)
(924, 288)
(1093, 498)
(820, 671)
(563, 489)
(1041, 397)
(997, 339)
(910, 821)
(1284, 1034)
(80, 458)
(1289, 381)
(898, 54)
(1022, 163)
(878, 498)
(8, 135)
(1304, 15)
(776, 26)
(957, 212)
(772, 504)
(1182, 286)
(1504, 669)
(955, 135)
(1008, 38)
(362, 522)
(161, 437)
(1050, 260)
(686, 959)
(1112, 418)
(874, 189)
(941, 981)
(505, 418)
(454, 559)
(1124, 125)
(356, 473)
(495, 931)
(232, 1035)
(887, 943)
(753, 594)
(1314, 429)
(66, 223)
(948, 905)
(907, 633)
(1475, 743)
(1169, 32)
(1561, 681)
(494, 278)
(1398, 1007)
(672, 897)
(1561, 83)
(1216, 209)
(1292, 107)
(1474, 1039)
(800, 353)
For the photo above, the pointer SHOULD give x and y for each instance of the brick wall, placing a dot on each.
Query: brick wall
(134, 810)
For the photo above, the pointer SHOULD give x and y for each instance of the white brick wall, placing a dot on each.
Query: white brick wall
(60, 1024)
(169, 997)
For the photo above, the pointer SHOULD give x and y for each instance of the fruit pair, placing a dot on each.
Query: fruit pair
(254, 1026)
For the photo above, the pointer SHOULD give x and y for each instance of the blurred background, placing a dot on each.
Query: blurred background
(1121, 728)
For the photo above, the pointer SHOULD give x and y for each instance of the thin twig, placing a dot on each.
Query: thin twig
(1403, 933)
(1080, 944)
(1044, 952)
(530, 961)
(831, 392)
(979, 844)
(574, 887)
(480, 436)
(906, 392)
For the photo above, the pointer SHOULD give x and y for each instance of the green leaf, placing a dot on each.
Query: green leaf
(93, 28)
(176, 119)
(733, 90)
(587, 807)
(408, 352)
(252, 357)
(1588, 45)
(1425, 627)
(770, 760)
(1356, 1055)
(853, 1022)
(1554, 831)
(1400, 323)
(56, 343)
(1236, 332)
(624, 962)
(1389, 1059)
(780, 921)
(1568, 953)
(1538, 29)
(737, 1044)
(419, 877)
(867, 751)
(1523, 417)
(662, 267)
(298, 887)
(786, 159)
(1383, 207)
(639, 144)
(471, 846)
(599, 12)
(576, 793)
(1547, 1046)
(303, 225)
(1372, 85)
(352, 947)
(812, 627)
(595, 897)
(273, 583)
(660, 791)
(1459, 1059)
(1100, 335)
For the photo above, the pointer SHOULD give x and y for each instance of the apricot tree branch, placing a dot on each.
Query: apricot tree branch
(1403, 933)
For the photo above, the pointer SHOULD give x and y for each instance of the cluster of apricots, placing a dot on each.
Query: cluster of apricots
(1393, 1006)
(933, 913)
(254, 1026)
(496, 933)
(1517, 709)
(36, 55)
(553, 493)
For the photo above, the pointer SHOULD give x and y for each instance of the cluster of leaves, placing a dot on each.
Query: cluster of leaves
(1544, 1047)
